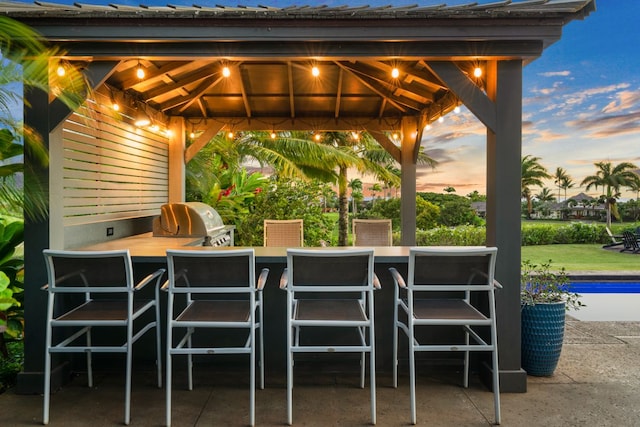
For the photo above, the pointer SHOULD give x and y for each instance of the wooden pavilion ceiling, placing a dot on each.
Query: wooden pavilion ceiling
(286, 89)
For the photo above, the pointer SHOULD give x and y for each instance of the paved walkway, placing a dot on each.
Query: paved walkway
(597, 383)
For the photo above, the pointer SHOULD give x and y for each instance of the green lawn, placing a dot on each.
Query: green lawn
(582, 257)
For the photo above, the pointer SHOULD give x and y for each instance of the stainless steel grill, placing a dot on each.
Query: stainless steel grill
(193, 219)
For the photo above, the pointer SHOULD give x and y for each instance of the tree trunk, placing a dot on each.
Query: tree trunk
(343, 208)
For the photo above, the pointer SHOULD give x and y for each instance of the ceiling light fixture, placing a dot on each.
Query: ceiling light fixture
(140, 71)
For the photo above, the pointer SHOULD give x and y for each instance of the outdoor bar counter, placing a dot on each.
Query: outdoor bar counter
(149, 253)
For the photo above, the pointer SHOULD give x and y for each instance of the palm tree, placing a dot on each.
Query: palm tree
(356, 187)
(532, 175)
(611, 179)
(25, 64)
(545, 195)
(558, 179)
(566, 183)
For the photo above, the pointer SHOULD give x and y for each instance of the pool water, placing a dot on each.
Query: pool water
(605, 287)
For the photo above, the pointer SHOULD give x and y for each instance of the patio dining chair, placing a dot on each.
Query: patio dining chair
(287, 233)
(372, 232)
(444, 288)
(94, 291)
(333, 290)
(215, 289)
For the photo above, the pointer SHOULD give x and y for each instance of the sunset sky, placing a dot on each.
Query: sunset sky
(581, 99)
(581, 105)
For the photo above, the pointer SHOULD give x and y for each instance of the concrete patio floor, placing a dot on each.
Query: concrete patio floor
(597, 383)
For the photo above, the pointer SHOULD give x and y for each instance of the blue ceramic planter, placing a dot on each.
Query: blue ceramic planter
(542, 336)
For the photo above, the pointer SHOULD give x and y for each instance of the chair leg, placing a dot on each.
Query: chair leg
(168, 385)
(261, 331)
(190, 361)
(47, 383)
(496, 386)
(395, 346)
(372, 373)
(89, 360)
(127, 394)
(465, 381)
(289, 382)
(363, 363)
(412, 375)
(158, 349)
(252, 380)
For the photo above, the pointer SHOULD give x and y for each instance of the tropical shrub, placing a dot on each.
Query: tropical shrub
(464, 235)
(287, 199)
(11, 281)
(454, 210)
(427, 214)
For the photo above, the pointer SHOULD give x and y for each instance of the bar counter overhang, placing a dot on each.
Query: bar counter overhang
(149, 253)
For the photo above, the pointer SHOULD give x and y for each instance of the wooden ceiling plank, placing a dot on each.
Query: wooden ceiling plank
(339, 93)
(292, 105)
(200, 90)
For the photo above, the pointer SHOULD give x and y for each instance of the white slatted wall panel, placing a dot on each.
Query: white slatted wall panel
(112, 170)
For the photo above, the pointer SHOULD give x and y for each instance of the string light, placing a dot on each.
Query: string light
(140, 71)
(226, 71)
(440, 119)
(61, 71)
(395, 73)
(477, 72)
(230, 135)
(315, 71)
(317, 137)
(273, 135)
(456, 110)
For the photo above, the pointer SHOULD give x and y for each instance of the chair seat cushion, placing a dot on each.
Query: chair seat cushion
(447, 309)
(107, 310)
(330, 309)
(215, 311)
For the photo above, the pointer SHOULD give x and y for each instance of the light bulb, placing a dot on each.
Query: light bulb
(395, 73)
(440, 119)
(192, 135)
(477, 72)
(315, 71)
(273, 135)
(140, 72)
(230, 135)
(61, 71)
(226, 72)
(317, 136)
(115, 106)
(456, 110)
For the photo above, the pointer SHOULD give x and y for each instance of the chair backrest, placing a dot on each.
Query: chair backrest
(89, 271)
(320, 270)
(285, 233)
(211, 271)
(451, 268)
(372, 232)
(630, 240)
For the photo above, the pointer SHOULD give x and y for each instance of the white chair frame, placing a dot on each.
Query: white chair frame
(249, 318)
(118, 313)
(364, 306)
(453, 312)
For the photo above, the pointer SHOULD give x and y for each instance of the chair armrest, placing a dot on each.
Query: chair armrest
(397, 277)
(155, 275)
(496, 284)
(376, 282)
(165, 285)
(262, 279)
(284, 279)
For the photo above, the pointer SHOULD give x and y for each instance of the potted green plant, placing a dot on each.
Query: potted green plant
(545, 296)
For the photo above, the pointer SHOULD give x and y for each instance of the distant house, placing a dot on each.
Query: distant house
(580, 206)
(480, 208)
